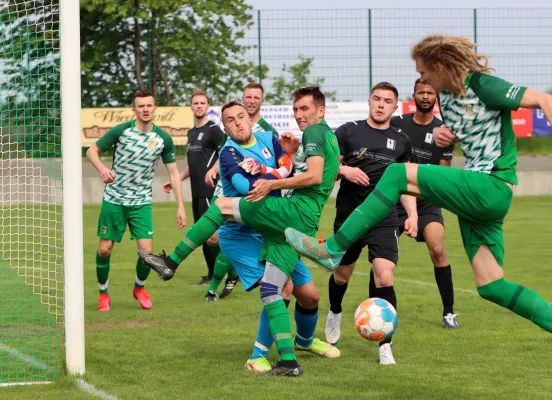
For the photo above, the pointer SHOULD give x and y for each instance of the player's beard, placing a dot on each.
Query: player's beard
(254, 112)
(201, 115)
(424, 108)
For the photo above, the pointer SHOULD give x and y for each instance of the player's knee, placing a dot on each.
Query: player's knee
(383, 277)
(307, 295)
(270, 292)
(341, 277)
(212, 241)
(272, 284)
(437, 253)
(105, 249)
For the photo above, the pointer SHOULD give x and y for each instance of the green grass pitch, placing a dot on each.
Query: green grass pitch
(185, 348)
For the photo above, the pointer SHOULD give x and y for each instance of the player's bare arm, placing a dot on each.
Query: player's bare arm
(176, 183)
(211, 175)
(312, 177)
(185, 174)
(411, 223)
(534, 99)
(93, 155)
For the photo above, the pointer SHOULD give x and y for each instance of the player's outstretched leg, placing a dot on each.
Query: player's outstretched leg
(328, 253)
(198, 234)
(272, 284)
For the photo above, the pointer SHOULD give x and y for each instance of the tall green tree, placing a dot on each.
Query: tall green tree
(172, 45)
(293, 77)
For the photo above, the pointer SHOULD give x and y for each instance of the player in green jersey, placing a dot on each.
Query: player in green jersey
(316, 167)
(127, 195)
(476, 109)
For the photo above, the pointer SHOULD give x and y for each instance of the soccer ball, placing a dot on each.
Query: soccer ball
(376, 319)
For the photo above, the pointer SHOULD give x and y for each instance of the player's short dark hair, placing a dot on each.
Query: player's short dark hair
(199, 92)
(318, 97)
(419, 81)
(385, 86)
(141, 93)
(231, 104)
(254, 85)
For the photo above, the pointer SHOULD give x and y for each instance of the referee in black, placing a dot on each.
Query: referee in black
(431, 227)
(367, 148)
(204, 141)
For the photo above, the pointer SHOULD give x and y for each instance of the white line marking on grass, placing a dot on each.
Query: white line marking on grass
(91, 390)
(420, 283)
(79, 382)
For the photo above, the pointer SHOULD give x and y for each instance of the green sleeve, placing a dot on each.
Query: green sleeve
(167, 155)
(112, 136)
(268, 128)
(314, 140)
(496, 93)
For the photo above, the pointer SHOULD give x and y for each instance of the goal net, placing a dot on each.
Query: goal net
(31, 211)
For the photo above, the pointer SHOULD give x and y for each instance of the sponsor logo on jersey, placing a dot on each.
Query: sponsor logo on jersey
(200, 136)
(266, 153)
(359, 153)
(391, 144)
(429, 138)
(152, 144)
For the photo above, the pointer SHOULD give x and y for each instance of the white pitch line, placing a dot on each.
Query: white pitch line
(79, 382)
(420, 283)
(93, 391)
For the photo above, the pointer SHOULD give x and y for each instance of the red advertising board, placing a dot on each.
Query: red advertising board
(523, 122)
(522, 118)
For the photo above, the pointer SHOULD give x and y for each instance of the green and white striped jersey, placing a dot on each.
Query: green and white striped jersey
(482, 122)
(134, 162)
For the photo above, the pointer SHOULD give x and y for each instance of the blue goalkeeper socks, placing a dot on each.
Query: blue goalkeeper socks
(306, 320)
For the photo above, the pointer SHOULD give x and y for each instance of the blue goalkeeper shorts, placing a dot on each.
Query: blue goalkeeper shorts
(243, 252)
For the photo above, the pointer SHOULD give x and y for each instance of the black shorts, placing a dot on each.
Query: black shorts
(427, 213)
(382, 240)
(200, 206)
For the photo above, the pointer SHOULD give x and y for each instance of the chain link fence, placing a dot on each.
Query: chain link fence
(354, 49)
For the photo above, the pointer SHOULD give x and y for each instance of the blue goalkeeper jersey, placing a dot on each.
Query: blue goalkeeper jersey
(236, 182)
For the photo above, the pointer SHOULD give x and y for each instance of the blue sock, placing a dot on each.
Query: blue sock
(264, 340)
(305, 320)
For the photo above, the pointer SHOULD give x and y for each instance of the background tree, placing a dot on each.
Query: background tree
(172, 45)
(29, 52)
(292, 78)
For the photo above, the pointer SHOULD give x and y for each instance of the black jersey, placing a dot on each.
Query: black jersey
(203, 149)
(372, 150)
(424, 150)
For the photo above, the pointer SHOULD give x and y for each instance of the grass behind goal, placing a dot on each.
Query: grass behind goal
(185, 348)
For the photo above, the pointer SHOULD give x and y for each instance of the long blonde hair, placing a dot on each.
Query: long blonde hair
(457, 55)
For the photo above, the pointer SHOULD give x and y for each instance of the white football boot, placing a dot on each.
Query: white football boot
(333, 328)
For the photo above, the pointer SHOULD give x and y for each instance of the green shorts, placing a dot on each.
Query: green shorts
(270, 217)
(115, 217)
(480, 201)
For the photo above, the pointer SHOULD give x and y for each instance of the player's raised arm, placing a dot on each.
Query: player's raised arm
(535, 99)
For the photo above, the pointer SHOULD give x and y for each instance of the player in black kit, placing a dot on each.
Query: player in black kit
(204, 141)
(431, 228)
(367, 148)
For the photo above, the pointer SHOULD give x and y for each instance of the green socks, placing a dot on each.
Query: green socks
(198, 234)
(377, 205)
(142, 272)
(221, 268)
(280, 328)
(521, 300)
(102, 271)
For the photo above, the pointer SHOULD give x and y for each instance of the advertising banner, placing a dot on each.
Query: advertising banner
(541, 127)
(96, 122)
